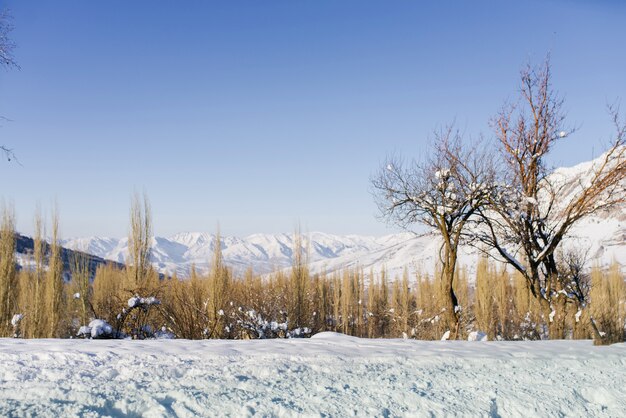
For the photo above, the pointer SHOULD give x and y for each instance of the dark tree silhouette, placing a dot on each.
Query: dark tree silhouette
(7, 61)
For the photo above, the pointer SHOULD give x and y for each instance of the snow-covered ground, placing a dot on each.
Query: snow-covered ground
(327, 375)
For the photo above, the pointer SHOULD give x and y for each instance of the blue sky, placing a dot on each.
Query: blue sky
(263, 115)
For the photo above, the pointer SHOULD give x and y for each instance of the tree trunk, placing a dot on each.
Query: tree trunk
(451, 302)
(452, 313)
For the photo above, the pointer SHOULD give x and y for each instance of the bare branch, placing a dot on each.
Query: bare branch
(7, 46)
(7, 61)
(9, 154)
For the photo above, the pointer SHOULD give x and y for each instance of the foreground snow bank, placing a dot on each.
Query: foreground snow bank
(329, 374)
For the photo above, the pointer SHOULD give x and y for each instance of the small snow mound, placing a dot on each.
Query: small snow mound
(97, 328)
(84, 331)
(445, 336)
(477, 336)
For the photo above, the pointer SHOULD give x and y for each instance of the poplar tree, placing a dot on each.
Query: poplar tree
(8, 273)
(139, 247)
(54, 283)
(299, 285)
(218, 286)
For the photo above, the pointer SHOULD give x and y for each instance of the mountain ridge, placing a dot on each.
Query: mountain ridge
(266, 253)
(603, 235)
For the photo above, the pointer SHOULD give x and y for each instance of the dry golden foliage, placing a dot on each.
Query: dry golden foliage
(292, 303)
(252, 306)
(608, 303)
(8, 273)
(54, 285)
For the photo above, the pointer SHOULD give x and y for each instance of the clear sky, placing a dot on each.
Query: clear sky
(262, 115)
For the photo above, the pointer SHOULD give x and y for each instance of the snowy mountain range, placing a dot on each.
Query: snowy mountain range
(264, 253)
(603, 235)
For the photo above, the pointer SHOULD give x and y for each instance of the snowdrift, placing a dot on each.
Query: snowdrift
(329, 374)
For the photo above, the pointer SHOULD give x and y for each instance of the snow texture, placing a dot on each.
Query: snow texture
(327, 375)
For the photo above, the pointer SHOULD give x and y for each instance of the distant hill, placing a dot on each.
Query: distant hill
(25, 247)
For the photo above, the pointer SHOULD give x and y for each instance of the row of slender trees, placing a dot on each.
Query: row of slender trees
(511, 205)
(39, 300)
(39, 289)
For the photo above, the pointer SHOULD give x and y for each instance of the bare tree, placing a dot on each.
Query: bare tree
(532, 208)
(7, 61)
(442, 193)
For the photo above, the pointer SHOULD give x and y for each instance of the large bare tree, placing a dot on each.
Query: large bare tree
(532, 208)
(443, 192)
